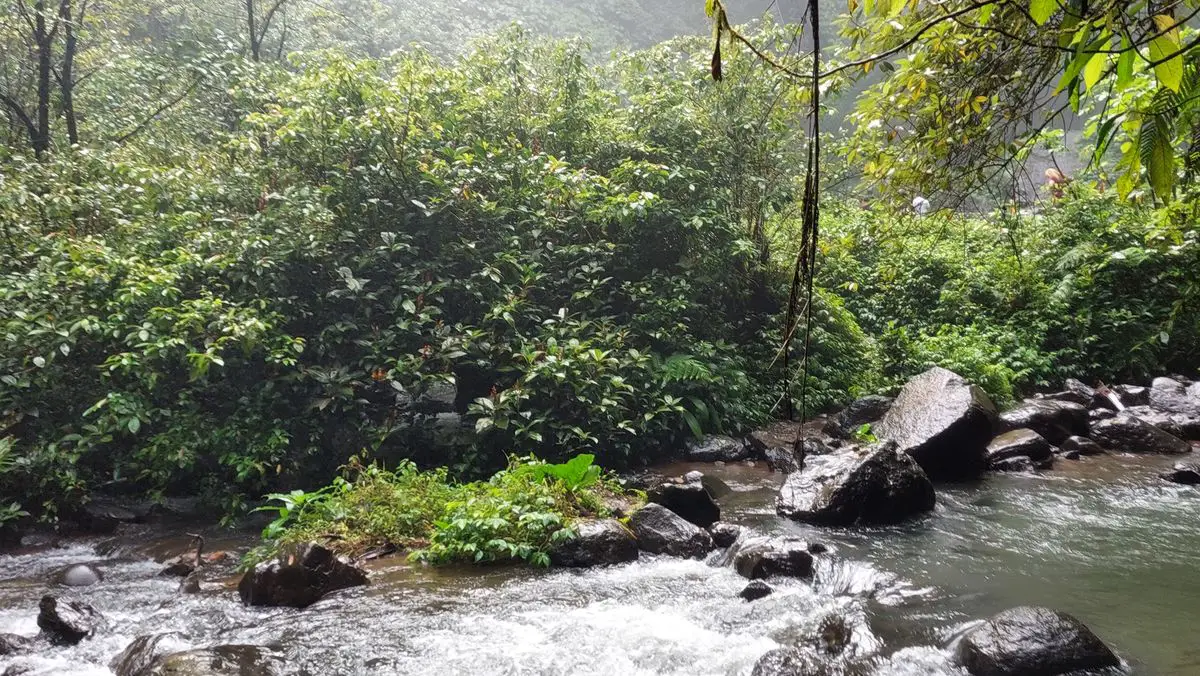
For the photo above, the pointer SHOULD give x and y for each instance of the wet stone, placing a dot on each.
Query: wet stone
(756, 590)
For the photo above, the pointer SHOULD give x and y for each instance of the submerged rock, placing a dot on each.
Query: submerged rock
(598, 542)
(13, 644)
(790, 662)
(78, 575)
(1017, 463)
(298, 578)
(1022, 442)
(863, 411)
(67, 622)
(1030, 641)
(1054, 420)
(660, 531)
(1171, 396)
(874, 485)
(1126, 433)
(943, 422)
(1187, 474)
(716, 447)
(764, 558)
(688, 498)
(756, 590)
(224, 660)
(724, 534)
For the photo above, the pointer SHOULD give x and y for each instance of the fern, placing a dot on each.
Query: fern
(685, 367)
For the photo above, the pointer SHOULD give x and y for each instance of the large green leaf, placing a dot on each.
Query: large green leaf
(1157, 154)
(1165, 49)
(1041, 10)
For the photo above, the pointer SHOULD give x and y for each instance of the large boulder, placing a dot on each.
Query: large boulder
(764, 557)
(724, 534)
(1081, 446)
(298, 577)
(1125, 433)
(1030, 641)
(1132, 395)
(716, 447)
(1054, 420)
(1022, 442)
(67, 622)
(1172, 396)
(790, 662)
(872, 485)
(864, 411)
(942, 421)
(224, 660)
(1187, 474)
(138, 656)
(688, 497)
(660, 531)
(1183, 425)
(598, 542)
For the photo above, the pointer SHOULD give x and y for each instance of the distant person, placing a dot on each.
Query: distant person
(921, 205)
(1057, 182)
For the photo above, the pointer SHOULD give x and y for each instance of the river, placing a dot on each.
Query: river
(1102, 539)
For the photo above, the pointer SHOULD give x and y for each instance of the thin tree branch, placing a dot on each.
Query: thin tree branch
(144, 123)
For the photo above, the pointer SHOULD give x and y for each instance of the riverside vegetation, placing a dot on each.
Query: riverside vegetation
(433, 265)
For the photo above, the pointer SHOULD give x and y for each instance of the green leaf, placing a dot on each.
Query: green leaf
(1041, 10)
(1157, 154)
(1170, 71)
(1093, 70)
(1125, 65)
(134, 424)
(692, 423)
(985, 14)
(709, 6)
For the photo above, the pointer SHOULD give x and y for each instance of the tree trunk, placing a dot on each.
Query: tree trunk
(45, 42)
(253, 30)
(68, 67)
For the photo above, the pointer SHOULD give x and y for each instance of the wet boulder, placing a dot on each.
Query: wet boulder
(756, 590)
(1022, 442)
(763, 557)
(716, 447)
(724, 534)
(1097, 414)
(1054, 420)
(863, 411)
(78, 575)
(1187, 474)
(688, 497)
(1081, 446)
(942, 421)
(598, 542)
(14, 644)
(1183, 425)
(1132, 395)
(102, 516)
(660, 531)
(1030, 641)
(67, 622)
(298, 577)
(1016, 463)
(137, 657)
(790, 662)
(1173, 396)
(873, 485)
(224, 660)
(1126, 433)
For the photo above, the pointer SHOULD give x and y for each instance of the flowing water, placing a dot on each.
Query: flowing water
(1102, 539)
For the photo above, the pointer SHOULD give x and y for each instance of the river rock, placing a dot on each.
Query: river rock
(224, 660)
(13, 644)
(1172, 396)
(598, 542)
(78, 575)
(1016, 463)
(1183, 425)
(1187, 474)
(138, 656)
(1126, 433)
(1081, 446)
(790, 662)
(873, 485)
(1132, 395)
(67, 622)
(688, 498)
(943, 422)
(724, 534)
(1054, 420)
(102, 516)
(660, 531)
(1097, 414)
(863, 411)
(762, 558)
(298, 577)
(1030, 641)
(1022, 442)
(756, 590)
(716, 447)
